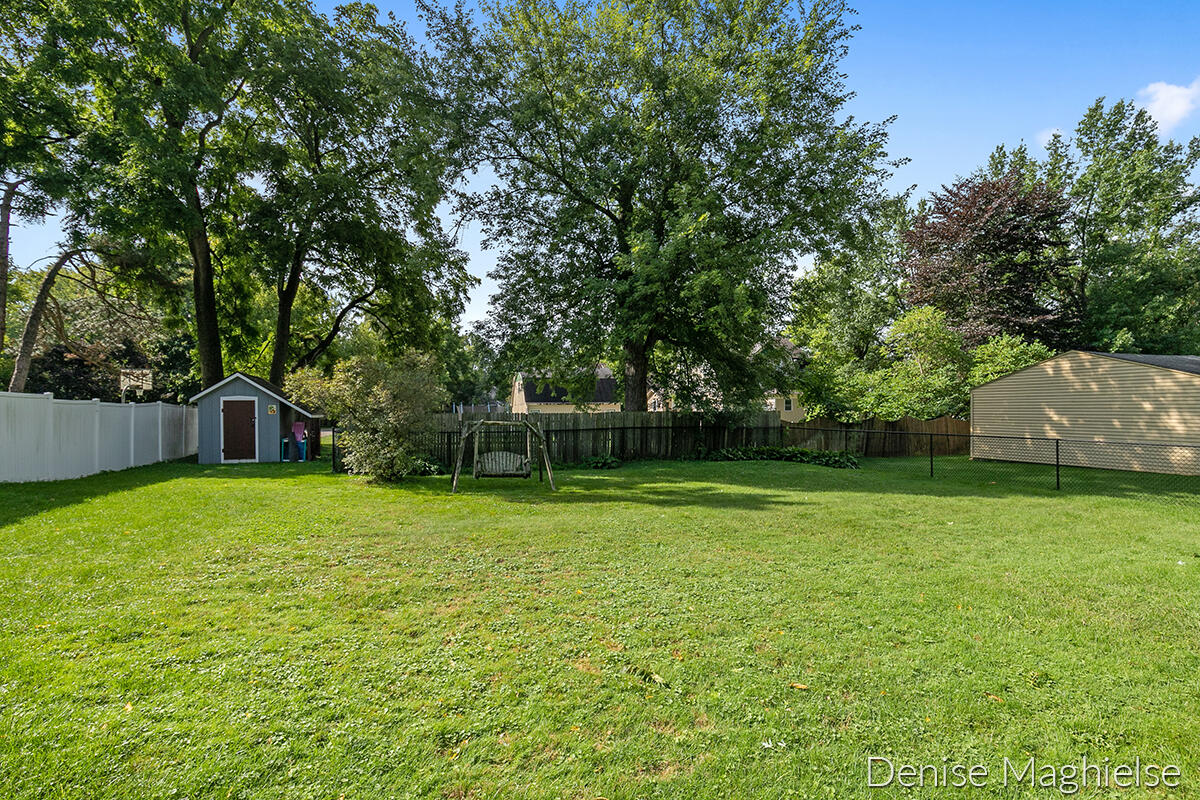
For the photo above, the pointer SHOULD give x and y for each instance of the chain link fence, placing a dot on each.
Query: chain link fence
(1147, 469)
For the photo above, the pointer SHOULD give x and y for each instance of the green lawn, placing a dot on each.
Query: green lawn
(662, 630)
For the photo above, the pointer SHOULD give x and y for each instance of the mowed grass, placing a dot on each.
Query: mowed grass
(662, 630)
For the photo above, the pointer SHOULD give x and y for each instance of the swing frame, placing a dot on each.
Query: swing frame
(531, 431)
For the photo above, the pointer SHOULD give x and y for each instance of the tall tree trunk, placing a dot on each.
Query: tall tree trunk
(283, 320)
(34, 323)
(204, 293)
(637, 384)
(6, 205)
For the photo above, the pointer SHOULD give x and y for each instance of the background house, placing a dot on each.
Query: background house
(530, 394)
(788, 406)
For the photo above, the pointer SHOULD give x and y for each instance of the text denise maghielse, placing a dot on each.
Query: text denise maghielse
(1067, 779)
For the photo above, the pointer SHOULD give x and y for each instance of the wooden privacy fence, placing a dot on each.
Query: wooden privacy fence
(628, 436)
(43, 438)
(945, 436)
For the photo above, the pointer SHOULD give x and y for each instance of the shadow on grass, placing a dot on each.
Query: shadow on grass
(21, 500)
(664, 486)
(672, 484)
(776, 483)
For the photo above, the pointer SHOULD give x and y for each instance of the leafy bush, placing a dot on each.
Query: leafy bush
(382, 408)
(601, 462)
(1002, 355)
(823, 458)
(425, 467)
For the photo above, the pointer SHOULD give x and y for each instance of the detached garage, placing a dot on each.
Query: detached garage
(1084, 399)
(247, 419)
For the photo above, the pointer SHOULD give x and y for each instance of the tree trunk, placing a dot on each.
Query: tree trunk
(6, 204)
(34, 323)
(204, 293)
(310, 358)
(283, 320)
(636, 380)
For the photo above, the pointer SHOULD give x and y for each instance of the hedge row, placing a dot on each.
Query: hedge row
(825, 458)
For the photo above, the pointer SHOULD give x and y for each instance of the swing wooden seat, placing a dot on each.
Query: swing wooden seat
(504, 463)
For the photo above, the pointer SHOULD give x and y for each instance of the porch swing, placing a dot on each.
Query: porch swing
(503, 463)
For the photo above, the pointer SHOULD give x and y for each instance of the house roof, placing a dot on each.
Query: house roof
(605, 392)
(264, 385)
(1178, 363)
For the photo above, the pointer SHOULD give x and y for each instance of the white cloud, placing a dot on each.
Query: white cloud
(1043, 137)
(1170, 104)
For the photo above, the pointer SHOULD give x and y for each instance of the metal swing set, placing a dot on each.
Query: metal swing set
(504, 463)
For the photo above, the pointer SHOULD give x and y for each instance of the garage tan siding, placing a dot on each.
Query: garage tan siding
(1087, 398)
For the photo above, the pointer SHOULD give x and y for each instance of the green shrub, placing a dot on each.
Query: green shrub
(601, 462)
(839, 459)
(425, 467)
(382, 409)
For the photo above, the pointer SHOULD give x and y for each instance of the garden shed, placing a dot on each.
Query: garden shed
(247, 419)
(1083, 399)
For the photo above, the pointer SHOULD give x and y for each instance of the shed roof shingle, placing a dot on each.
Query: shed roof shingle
(266, 386)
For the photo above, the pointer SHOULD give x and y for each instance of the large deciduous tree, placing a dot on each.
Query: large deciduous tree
(1132, 229)
(355, 151)
(988, 251)
(169, 83)
(661, 165)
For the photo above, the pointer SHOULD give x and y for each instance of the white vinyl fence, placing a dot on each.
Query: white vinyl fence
(44, 439)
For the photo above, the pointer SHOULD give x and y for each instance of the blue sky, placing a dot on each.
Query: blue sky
(963, 77)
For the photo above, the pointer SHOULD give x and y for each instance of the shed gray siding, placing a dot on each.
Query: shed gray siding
(209, 419)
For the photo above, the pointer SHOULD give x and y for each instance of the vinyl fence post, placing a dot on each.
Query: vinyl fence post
(1057, 466)
(333, 451)
(931, 455)
(95, 435)
(132, 432)
(50, 467)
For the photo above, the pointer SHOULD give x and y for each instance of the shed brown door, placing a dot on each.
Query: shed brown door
(238, 429)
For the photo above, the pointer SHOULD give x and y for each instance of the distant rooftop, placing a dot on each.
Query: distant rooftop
(605, 392)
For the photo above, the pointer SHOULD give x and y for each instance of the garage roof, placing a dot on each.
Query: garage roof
(1180, 363)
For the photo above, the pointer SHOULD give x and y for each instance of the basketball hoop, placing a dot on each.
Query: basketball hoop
(139, 380)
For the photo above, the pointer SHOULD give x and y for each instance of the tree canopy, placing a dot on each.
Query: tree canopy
(660, 168)
(987, 252)
(269, 172)
(1094, 246)
(1132, 229)
(675, 189)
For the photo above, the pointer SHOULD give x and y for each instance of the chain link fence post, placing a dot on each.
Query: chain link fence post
(1057, 466)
